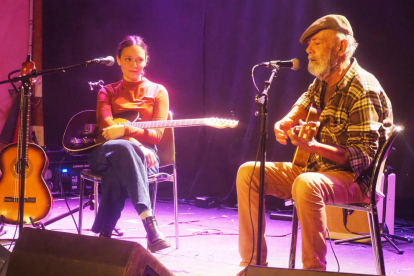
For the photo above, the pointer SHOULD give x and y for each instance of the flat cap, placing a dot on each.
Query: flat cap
(334, 22)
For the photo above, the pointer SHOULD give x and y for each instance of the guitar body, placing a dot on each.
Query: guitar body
(301, 156)
(38, 200)
(83, 127)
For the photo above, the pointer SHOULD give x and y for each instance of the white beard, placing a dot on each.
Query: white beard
(324, 67)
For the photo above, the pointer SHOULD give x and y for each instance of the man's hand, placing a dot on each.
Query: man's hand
(296, 140)
(113, 132)
(281, 128)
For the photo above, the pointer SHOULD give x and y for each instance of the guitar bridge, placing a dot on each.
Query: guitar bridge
(16, 199)
(82, 141)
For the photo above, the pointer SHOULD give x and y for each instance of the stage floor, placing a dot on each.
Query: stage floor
(208, 243)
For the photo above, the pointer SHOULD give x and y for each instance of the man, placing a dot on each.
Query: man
(356, 114)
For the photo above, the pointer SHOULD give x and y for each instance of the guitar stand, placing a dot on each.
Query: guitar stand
(388, 237)
(2, 231)
(42, 225)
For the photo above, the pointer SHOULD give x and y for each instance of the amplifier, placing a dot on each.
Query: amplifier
(358, 221)
(66, 172)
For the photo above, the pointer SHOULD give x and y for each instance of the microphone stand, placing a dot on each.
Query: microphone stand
(262, 100)
(26, 82)
(35, 73)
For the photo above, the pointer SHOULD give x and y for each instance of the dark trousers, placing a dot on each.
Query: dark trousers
(124, 174)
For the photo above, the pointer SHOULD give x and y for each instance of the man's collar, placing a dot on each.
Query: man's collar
(349, 75)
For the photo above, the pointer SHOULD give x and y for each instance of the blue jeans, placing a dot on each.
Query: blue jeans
(124, 174)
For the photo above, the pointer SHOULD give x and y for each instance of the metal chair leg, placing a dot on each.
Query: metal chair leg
(96, 196)
(81, 194)
(376, 241)
(154, 197)
(292, 255)
(175, 195)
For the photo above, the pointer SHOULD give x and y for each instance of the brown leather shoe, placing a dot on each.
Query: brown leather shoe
(155, 239)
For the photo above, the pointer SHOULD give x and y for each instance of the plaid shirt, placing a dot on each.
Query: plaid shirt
(357, 117)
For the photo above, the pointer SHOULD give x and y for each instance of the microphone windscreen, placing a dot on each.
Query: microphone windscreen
(110, 60)
(296, 64)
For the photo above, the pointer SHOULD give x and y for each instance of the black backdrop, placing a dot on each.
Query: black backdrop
(202, 51)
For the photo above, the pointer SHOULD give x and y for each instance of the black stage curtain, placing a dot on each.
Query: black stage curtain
(203, 52)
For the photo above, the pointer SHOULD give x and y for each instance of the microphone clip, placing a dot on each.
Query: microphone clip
(93, 84)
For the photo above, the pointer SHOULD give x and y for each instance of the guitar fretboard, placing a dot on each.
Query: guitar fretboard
(170, 123)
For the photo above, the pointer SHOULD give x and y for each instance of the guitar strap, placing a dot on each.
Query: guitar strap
(322, 97)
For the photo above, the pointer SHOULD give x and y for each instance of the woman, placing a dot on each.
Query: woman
(129, 155)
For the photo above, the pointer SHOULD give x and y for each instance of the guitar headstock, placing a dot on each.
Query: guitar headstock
(27, 67)
(221, 123)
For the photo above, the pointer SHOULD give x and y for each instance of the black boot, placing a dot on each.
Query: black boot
(105, 234)
(155, 239)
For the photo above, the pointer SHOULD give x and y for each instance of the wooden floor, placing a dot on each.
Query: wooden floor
(208, 243)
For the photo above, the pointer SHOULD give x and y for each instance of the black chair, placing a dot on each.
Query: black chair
(371, 208)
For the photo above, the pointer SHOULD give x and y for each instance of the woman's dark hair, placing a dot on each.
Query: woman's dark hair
(132, 40)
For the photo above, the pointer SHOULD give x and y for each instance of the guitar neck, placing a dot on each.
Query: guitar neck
(168, 124)
(24, 124)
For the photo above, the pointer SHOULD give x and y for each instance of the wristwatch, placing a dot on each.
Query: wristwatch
(311, 143)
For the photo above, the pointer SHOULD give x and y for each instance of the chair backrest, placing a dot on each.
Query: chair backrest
(166, 147)
(379, 162)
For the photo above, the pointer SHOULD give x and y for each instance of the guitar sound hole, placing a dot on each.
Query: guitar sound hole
(16, 169)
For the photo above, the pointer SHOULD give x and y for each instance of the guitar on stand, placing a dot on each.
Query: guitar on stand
(25, 162)
(23, 191)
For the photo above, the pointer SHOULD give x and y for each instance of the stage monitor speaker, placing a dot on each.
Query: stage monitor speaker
(358, 221)
(42, 252)
(273, 271)
(4, 260)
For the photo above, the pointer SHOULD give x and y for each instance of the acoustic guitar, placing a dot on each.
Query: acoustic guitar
(37, 198)
(307, 132)
(82, 133)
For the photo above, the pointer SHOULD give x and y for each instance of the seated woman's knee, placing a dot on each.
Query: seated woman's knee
(120, 147)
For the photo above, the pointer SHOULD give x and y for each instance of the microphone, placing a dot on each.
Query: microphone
(293, 64)
(108, 61)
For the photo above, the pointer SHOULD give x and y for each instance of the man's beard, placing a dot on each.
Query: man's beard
(324, 66)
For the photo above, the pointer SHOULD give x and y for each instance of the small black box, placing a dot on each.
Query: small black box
(207, 202)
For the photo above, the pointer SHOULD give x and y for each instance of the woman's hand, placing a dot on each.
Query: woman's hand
(149, 156)
(113, 132)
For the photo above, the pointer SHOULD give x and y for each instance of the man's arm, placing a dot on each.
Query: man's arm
(336, 154)
(363, 140)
